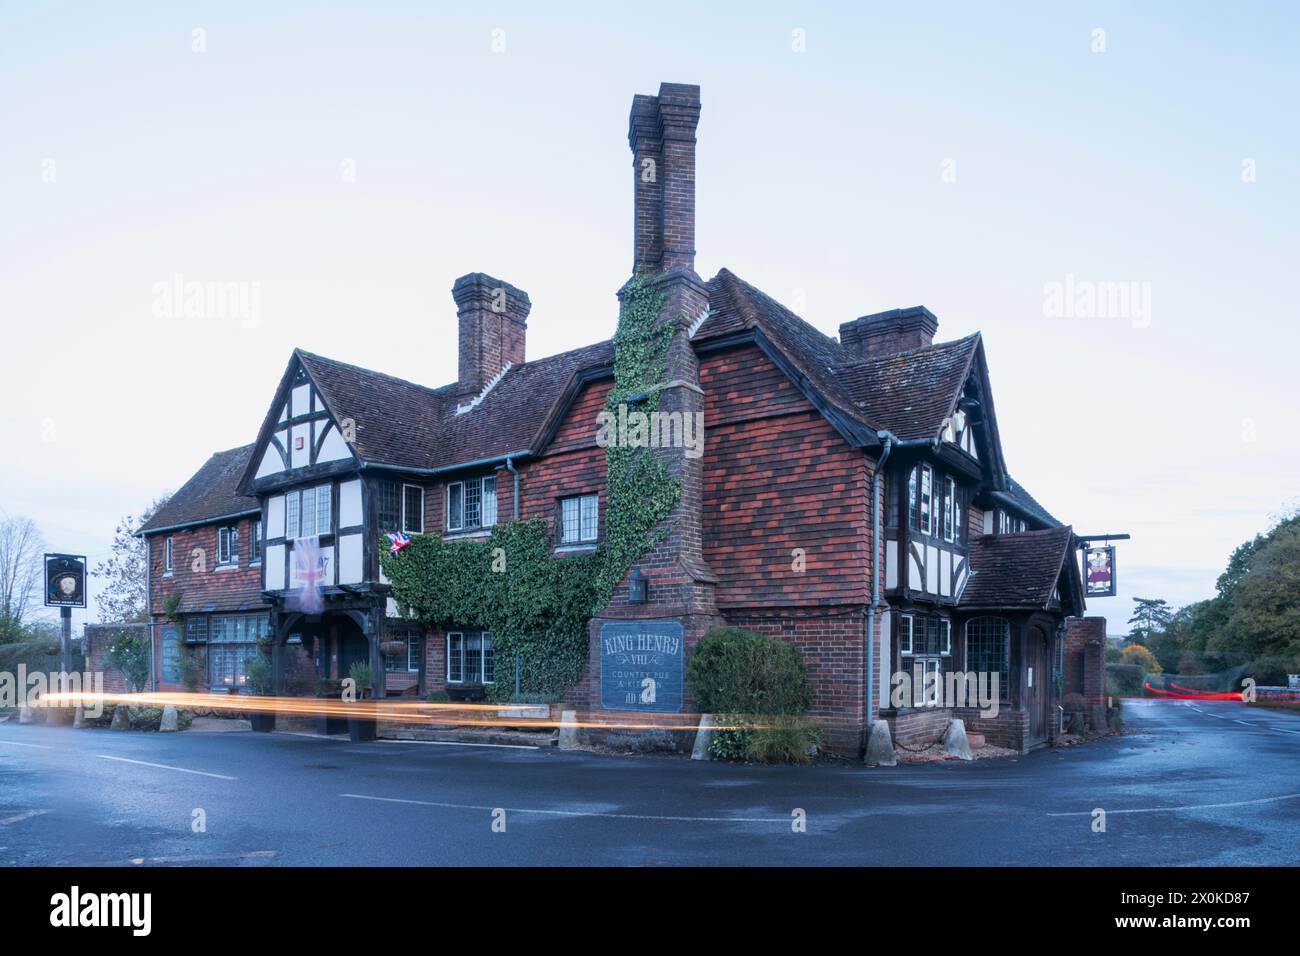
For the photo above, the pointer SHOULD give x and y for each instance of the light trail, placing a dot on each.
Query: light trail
(407, 712)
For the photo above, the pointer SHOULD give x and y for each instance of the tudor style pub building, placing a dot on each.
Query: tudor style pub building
(874, 458)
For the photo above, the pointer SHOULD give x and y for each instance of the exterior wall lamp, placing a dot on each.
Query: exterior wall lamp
(638, 587)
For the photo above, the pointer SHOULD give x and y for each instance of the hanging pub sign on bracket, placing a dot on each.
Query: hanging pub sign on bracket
(1099, 579)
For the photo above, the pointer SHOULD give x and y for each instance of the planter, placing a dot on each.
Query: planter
(262, 723)
(361, 729)
(330, 724)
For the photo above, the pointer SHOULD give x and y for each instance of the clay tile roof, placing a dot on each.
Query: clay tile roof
(909, 394)
(735, 305)
(912, 392)
(513, 412)
(1016, 570)
(210, 494)
(1017, 493)
(396, 420)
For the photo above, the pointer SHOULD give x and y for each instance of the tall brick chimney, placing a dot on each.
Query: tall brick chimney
(679, 595)
(493, 318)
(888, 333)
(661, 132)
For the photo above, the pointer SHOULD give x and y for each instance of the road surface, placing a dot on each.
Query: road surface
(1211, 783)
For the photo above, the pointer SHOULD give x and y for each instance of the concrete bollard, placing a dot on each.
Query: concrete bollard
(703, 749)
(880, 746)
(25, 715)
(121, 718)
(569, 730)
(79, 717)
(170, 721)
(955, 743)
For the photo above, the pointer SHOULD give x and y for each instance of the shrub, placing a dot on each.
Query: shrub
(732, 744)
(191, 670)
(784, 740)
(130, 655)
(1072, 703)
(260, 674)
(1124, 680)
(439, 697)
(733, 671)
(362, 674)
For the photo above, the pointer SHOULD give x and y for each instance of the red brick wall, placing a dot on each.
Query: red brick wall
(1085, 657)
(227, 587)
(778, 477)
(831, 648)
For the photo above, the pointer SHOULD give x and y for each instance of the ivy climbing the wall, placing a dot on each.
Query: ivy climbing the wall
(537, 605)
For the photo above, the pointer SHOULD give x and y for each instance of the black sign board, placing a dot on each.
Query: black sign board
(641, 665)
(65, 580)
(1099, 572)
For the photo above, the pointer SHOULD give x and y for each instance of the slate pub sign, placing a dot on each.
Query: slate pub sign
(641, 665)
(1099, 572)
(65, 580)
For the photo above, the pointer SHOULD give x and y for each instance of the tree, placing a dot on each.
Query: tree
(1151, 616)
(125, 598)
(22, 553)
(1137, 654)
(1264, 615)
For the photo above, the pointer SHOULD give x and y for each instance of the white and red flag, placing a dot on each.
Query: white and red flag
(309, 572)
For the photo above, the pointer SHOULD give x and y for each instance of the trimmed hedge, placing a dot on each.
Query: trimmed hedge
(37, 656)
(1124, 680)
(734, 671)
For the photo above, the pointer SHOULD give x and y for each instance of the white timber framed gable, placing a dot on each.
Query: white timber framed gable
(307, 476)
(305, 433)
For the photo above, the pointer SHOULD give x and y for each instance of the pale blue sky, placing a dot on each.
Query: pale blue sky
(820, 180)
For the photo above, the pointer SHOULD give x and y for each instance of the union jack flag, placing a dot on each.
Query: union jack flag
(397, 542)
(309, 568)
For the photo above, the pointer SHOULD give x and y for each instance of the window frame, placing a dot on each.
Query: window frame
(228, 540)
(168, 554)
(482, 482)
(406, 486)
(293, 527)
(925, 500)
(976, 666)
(485, 648)
(255, 541)
(578, 501)
(460, 657)
(949, 508)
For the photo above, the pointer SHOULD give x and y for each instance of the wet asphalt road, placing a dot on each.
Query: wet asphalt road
(1211, 783)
